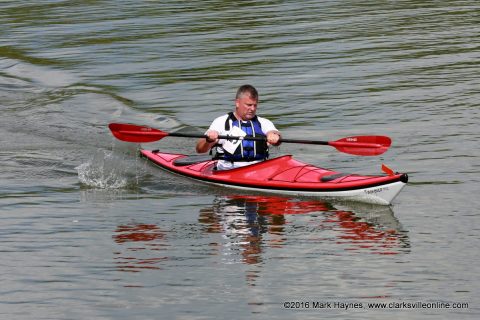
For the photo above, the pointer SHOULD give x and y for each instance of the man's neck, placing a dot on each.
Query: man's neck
(238, 118)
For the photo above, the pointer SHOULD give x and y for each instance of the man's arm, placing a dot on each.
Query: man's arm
(205, 144)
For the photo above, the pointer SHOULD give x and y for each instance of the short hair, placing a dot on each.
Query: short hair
(247, 89)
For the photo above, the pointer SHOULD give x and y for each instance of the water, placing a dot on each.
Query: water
(89, 230)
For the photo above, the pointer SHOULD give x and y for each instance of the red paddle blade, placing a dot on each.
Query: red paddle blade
(363, 145)
(134, 133)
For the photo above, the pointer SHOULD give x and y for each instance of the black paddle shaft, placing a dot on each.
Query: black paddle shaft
(195, 135)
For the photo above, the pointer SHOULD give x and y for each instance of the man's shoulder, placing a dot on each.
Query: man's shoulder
(218, 123)
(264, 120)
(266, 124)
(221, 118)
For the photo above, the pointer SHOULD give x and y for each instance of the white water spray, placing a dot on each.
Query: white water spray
(103, 171)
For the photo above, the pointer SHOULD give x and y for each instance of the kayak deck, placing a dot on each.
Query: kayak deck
(289, 176)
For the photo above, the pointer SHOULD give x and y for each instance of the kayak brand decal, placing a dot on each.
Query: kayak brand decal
(376, 190)
(351, 139)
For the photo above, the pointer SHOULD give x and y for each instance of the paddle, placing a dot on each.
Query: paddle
(357, 145)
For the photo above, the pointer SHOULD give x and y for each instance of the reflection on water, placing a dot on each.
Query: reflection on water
(252, 224)
(138, 241)
(359, 234)
(244, 220)
(248, 230)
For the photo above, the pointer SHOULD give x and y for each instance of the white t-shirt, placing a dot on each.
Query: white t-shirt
(219, 125)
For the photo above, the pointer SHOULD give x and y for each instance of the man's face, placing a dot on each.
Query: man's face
(246, 107)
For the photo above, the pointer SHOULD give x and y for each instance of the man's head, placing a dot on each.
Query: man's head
(246, 102)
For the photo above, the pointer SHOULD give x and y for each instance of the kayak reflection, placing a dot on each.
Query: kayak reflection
(251, 224)
(254, 229)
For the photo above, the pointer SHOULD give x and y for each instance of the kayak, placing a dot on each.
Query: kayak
(285, 175)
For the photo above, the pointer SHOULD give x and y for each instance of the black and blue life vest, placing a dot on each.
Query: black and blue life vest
(248, 150)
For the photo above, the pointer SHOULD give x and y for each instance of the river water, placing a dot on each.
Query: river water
(90, 231)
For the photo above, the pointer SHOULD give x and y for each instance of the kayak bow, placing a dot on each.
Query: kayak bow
(287, 176)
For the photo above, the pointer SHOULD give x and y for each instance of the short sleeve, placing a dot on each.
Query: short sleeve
(218, 124)
(267, 125)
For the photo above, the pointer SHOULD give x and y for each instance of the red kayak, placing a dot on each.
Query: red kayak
(285, 175)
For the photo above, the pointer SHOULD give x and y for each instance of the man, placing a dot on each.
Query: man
(242, 122)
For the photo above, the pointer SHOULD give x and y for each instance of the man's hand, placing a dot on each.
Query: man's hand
(273, 138)
(212, 136)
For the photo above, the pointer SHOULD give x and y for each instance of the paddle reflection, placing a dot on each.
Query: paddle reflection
(139, 240)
